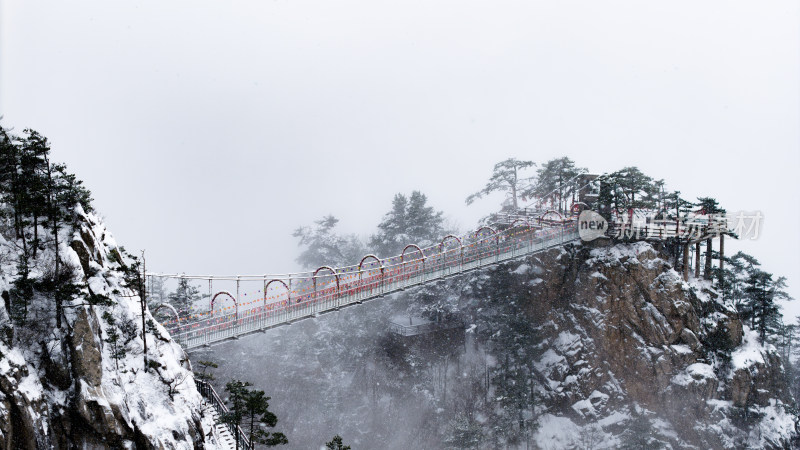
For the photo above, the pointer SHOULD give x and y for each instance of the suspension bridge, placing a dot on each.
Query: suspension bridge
(274, 300)
(287, 298)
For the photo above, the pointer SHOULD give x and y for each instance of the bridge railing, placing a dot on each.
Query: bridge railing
(346, 286)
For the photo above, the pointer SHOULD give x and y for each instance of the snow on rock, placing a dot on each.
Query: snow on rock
(556, 432)
(749, 353)
(549, 359)
(621, 252)
(522, 269)
(72, 389)
(535, 281)
(775, 425)
(697, 372)
(587, 408)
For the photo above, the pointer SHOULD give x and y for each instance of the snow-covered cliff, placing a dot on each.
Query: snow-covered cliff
(625, 339)
(85, 385)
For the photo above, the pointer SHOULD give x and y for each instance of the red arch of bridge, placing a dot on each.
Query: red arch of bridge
(460, 247)
(486, 227)
(288, 291)
(581, 206)
(542, 217)
(171, 308)
(450, 236)
(526, 221)
(403, 254)
(360, 264)
(494, 232)
(235, 302)
(333, 271)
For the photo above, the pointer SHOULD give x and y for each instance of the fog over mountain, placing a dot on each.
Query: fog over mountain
(218, 140)
(248, 120)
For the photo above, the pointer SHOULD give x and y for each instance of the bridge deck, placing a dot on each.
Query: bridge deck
(369, 283)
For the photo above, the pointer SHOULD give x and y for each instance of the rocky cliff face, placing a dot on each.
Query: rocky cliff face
(622, 334)
(85, 385)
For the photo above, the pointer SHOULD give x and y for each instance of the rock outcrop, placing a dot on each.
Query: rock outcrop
(85, 385)
(619, 324)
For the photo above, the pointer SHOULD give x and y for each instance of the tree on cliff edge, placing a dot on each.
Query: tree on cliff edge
(506, 177)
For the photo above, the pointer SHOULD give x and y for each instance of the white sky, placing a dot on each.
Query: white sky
(208, 131)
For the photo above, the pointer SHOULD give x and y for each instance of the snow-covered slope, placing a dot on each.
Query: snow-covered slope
(85, 385)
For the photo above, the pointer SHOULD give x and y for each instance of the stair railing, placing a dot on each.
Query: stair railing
(210, 395)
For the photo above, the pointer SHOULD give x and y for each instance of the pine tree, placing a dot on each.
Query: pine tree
(709, 205)
(34, 194)
(205, 365)
(257, 415)
(20, 189)
(183, 297)
(737, 270)
(336, 444)
(33, 167)
(506, 177)
(133, 276)
(793, 361)
(323, 247)
(605, 199)
(510, 336)
(630, 188)
(8, 167)
(70, 193)
(393, 230)
(114, 339)
(410, 221)
(556, 182)
(237, 392)
(754, 293)
(424, 223)
(762, 292)
(785, 340)
(157, 291)
(674, 203)
(250, 408)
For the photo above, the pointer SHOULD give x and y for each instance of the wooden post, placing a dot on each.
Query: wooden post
(686, 262)
(697, 259)
(709, 250)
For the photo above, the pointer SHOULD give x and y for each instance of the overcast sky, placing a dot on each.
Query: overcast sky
(208, 131)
